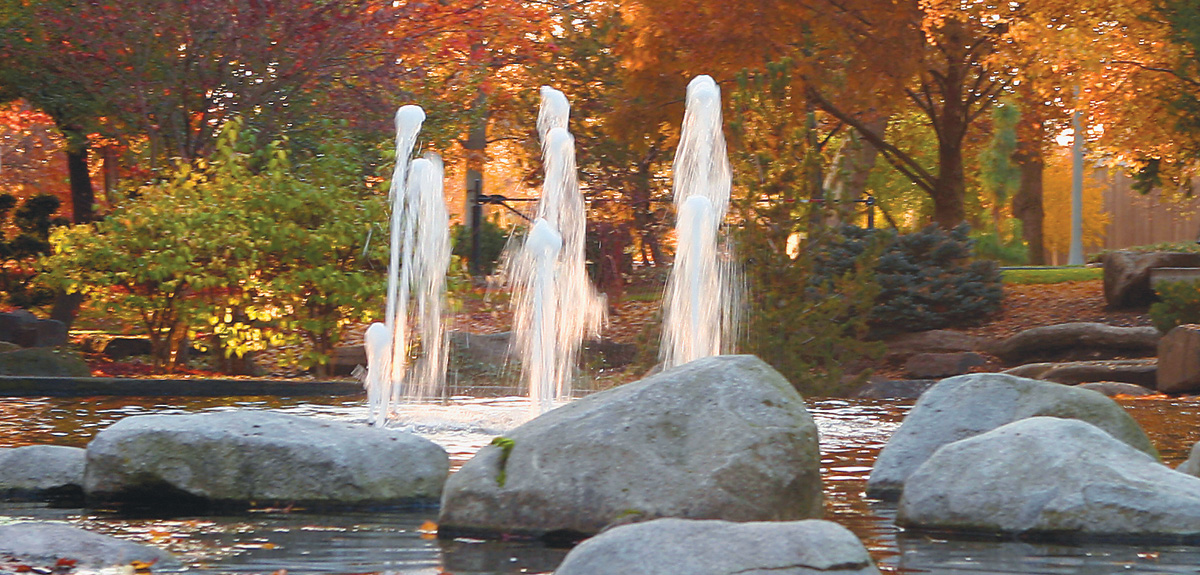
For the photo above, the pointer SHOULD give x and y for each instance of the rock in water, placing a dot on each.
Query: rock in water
(42, 472)
(964, 406)
(675, 546)
(242, 458)
(723, 437)
(1191, 466)
(45, 543)
(1051, 477)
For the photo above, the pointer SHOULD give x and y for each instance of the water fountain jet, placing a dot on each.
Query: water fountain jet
(555, 305)
(702, 303)
(417, 264)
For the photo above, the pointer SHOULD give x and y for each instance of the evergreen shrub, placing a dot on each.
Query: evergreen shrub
(1179, 303)
(927, 279)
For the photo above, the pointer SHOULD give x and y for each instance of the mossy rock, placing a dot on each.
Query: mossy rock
(43, 362)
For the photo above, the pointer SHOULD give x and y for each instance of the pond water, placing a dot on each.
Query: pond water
(852, 433)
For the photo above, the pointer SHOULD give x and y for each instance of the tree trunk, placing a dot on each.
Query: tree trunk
(818, 202)
(66, 307)
(949, 188)
(83, 196)
(109, 153)
(950, 185)
(1027, 203)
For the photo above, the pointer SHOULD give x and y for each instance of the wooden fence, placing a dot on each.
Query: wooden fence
(1137, 219)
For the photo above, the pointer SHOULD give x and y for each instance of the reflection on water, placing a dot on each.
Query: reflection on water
(852, 432)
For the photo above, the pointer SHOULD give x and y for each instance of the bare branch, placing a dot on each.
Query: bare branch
(903, 162)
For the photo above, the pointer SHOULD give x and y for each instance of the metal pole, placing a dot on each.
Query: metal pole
(476, 221)
(1075, 256)
(870, 201)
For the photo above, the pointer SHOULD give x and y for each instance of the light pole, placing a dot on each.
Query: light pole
(1075, 257)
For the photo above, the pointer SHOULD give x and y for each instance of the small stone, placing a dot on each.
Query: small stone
(43, 362)
(1116, 388)
(936, 365)
(44, 543)
(1075, 339)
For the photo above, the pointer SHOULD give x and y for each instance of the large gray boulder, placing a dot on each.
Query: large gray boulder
(241, 458)
(1127, 275)
(722, 437)
(1046, 476)
(42, 544)
(42, 472)
(967, 405)
(676, 546)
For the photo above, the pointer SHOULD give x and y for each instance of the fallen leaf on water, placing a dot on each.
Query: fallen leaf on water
(142, 566)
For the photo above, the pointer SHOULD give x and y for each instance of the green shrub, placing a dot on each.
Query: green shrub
(492, 238)
(1179, 303)
(816, 335)
(33, 220)
(927, 279)
(244, 244)
(1007, 247)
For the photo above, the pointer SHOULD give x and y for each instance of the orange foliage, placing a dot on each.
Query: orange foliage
(31, 161)
(1057, 203)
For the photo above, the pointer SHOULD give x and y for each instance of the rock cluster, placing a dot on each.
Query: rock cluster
(967, 405)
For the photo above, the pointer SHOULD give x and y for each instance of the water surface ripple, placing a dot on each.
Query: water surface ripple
(852, 432)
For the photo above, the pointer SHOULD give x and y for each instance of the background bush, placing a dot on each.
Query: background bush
(1179, 303)
(927, 279)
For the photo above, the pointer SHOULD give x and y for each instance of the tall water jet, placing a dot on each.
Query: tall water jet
(417, 264)
(702, 305)
(543, 247)
(429, 259)
(553, 283)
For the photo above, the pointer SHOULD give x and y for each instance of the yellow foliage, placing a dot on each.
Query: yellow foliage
(1056, 201)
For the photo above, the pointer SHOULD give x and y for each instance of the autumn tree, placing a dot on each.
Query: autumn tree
(855, 60)
(164, 76)
(1151, 123)
(621, 168)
